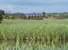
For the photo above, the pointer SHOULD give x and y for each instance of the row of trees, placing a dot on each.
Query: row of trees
(58, 15)
(38, 16)
(35, 16)
(25, 15)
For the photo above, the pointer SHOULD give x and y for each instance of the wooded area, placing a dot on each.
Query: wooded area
(33, 16)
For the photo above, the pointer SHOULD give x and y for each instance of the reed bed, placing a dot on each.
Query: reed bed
(36, 34)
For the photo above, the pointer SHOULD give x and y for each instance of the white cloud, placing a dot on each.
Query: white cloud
(32, 5)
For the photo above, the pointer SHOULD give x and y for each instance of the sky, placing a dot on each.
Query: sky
(34, 5)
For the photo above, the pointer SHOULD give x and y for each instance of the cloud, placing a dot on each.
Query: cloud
(34, 2)
(34, 5)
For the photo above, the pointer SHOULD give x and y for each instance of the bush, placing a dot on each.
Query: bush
(1, 15)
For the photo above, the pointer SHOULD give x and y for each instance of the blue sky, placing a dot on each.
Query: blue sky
(34, 5)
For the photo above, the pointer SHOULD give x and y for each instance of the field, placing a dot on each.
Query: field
(48, 34)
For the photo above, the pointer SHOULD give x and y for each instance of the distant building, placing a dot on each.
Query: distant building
(34, 16)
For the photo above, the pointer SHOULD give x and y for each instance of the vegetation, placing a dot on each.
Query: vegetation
(1, 15)
(36, 16)
(46, 34)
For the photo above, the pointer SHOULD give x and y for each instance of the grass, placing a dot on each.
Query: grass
(46, 34)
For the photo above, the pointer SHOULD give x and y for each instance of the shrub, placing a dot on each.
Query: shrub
(1, 15)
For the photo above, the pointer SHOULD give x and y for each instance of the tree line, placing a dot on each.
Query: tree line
(33, 16)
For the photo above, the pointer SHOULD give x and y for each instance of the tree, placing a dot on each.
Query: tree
(1, 15)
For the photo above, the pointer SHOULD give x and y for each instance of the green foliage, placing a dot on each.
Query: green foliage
(36, 34)
(1, 15)
(36, 16)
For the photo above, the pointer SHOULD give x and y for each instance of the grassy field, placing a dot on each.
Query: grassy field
(48, 34)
